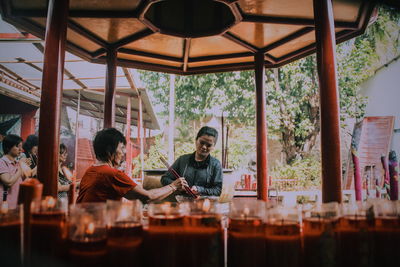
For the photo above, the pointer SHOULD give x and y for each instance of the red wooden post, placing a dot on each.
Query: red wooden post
(128, 170)
(140, 138)
(262, 160)
(28, 123)
(329, 102)
(109, 96)
(223, 141)
(50, 102)
(30, 190)
(357, 174)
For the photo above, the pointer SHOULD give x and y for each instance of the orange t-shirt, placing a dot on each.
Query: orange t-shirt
(100, 183)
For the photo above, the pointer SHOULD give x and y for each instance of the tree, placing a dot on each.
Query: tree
(292, 90)
(292, 97)
(293, 101)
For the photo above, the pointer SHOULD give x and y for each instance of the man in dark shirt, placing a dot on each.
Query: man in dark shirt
(202, 171)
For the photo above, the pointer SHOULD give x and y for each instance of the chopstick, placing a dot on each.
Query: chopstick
(177, 176)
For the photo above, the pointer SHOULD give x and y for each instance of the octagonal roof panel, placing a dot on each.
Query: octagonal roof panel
(146, 39)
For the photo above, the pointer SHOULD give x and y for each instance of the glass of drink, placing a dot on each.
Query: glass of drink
(165, 234)
(125, 232)
(246, 239)
(282, 232)
(48, 231)
(87, 234)
(319, 232)
(11, 225)
(355, 234)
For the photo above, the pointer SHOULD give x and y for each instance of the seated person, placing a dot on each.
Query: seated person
(202, 172)
(104, 181)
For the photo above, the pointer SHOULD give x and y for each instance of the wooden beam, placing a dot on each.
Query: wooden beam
(87, 34)
(365, 15)
(78, 78)
(91, 101)
(97, 89)
(18, 78)
(98, 53)
(131, 38)
(261, 128)
(287, 39)
(72, 77)
(109, 96)
(128, 169)
(66, 72)
(78, 13)
(219, 57)
(147, 54)
(270, 58)
(19, 37)
(35, 61)
(98, 114)
(75, 102)
(50, 102)
(29, 64)
(236, 39)
(129, 78)
(143, 65)
(294, 21)
(4, 78)
(186, 51)
(131, 82)
(329, 102)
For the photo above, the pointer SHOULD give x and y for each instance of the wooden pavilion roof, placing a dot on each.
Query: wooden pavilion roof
(21, 66)
(191, 37)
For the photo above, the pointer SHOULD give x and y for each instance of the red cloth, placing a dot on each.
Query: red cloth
(100, 183)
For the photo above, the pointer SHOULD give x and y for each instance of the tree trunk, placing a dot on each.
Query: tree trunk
(288, 141)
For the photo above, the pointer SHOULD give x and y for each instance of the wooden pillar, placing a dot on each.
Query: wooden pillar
(50, 101)
(261, 118)
(28, 123)
(128, 169)
(329, 102)
(222, 141)
(171, 120)
(109, 96)
(140, 138)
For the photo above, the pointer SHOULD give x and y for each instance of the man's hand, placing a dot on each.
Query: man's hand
(180, 183)
(194, 189)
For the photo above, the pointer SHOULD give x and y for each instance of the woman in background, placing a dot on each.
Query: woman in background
(64, 174)
(30, 147)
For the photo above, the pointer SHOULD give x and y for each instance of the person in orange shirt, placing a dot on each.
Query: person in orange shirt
(104, 181)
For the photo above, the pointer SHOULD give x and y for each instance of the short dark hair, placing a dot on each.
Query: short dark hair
(106, 142)
(63, 148)
(10, 141)
(31, 141)
(205, 130)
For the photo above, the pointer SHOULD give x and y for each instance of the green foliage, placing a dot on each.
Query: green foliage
(158, 85)
(305, 173)
(293, 106)
(292, 94)
(152, 158)
(197, 95)
(384, 35)
(242, 146)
